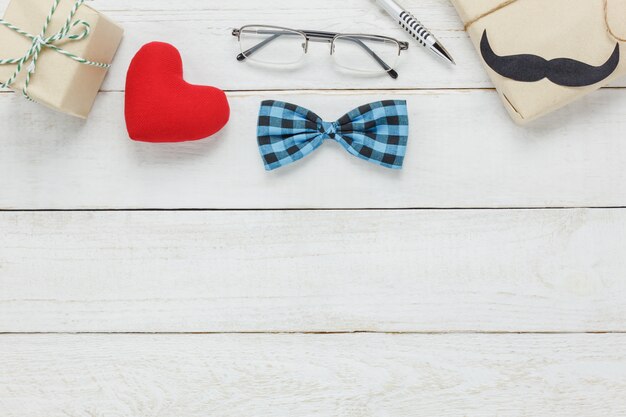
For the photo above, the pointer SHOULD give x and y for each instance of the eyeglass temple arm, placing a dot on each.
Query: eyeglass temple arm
(242, 56)
(326, 35)
(392, 73)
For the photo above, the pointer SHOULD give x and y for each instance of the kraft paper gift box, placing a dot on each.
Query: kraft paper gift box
(58, 81)
(544, 54)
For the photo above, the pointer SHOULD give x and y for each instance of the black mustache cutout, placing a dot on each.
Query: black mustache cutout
(562, 71)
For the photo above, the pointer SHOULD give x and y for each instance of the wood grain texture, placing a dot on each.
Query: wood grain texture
(313, 375)
(483, 270)
(477, 159)
(420, 271)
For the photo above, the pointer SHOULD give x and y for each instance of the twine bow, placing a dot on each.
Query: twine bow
(41, 41)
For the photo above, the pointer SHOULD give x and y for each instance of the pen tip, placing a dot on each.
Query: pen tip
(441, 51)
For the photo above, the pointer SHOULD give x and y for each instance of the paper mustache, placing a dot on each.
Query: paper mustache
(562, 71)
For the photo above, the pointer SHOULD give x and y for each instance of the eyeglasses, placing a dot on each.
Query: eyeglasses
(282, 46)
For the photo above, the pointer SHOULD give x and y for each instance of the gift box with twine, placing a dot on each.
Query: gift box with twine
(56, 52)
(544, 54)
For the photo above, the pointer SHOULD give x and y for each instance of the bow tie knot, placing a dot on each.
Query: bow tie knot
(329, 129)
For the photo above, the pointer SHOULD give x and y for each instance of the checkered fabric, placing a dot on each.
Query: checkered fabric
(376, 132)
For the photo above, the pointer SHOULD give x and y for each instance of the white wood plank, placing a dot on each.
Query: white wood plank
(483, 270)
(463, 152)
(312, 375)
(201, 30)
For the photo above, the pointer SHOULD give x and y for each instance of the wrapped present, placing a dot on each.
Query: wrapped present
(56, 52)
(542, 55)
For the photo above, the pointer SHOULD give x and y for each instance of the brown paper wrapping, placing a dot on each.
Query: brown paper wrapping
(585, 30)
(59, 82)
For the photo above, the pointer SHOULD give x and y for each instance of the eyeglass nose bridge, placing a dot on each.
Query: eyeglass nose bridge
(317, 38)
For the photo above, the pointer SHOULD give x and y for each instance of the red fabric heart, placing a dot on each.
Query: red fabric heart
(162, 107)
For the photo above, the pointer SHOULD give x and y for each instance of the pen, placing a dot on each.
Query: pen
(409, 23)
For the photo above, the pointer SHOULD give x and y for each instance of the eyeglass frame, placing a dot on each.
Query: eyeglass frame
(331, 37)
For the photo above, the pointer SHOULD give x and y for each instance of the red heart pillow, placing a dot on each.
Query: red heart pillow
(162, 107)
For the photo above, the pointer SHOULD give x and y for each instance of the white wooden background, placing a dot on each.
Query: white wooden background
(488, 278)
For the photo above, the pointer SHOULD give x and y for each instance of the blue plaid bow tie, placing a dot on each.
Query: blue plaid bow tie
(376, 132)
